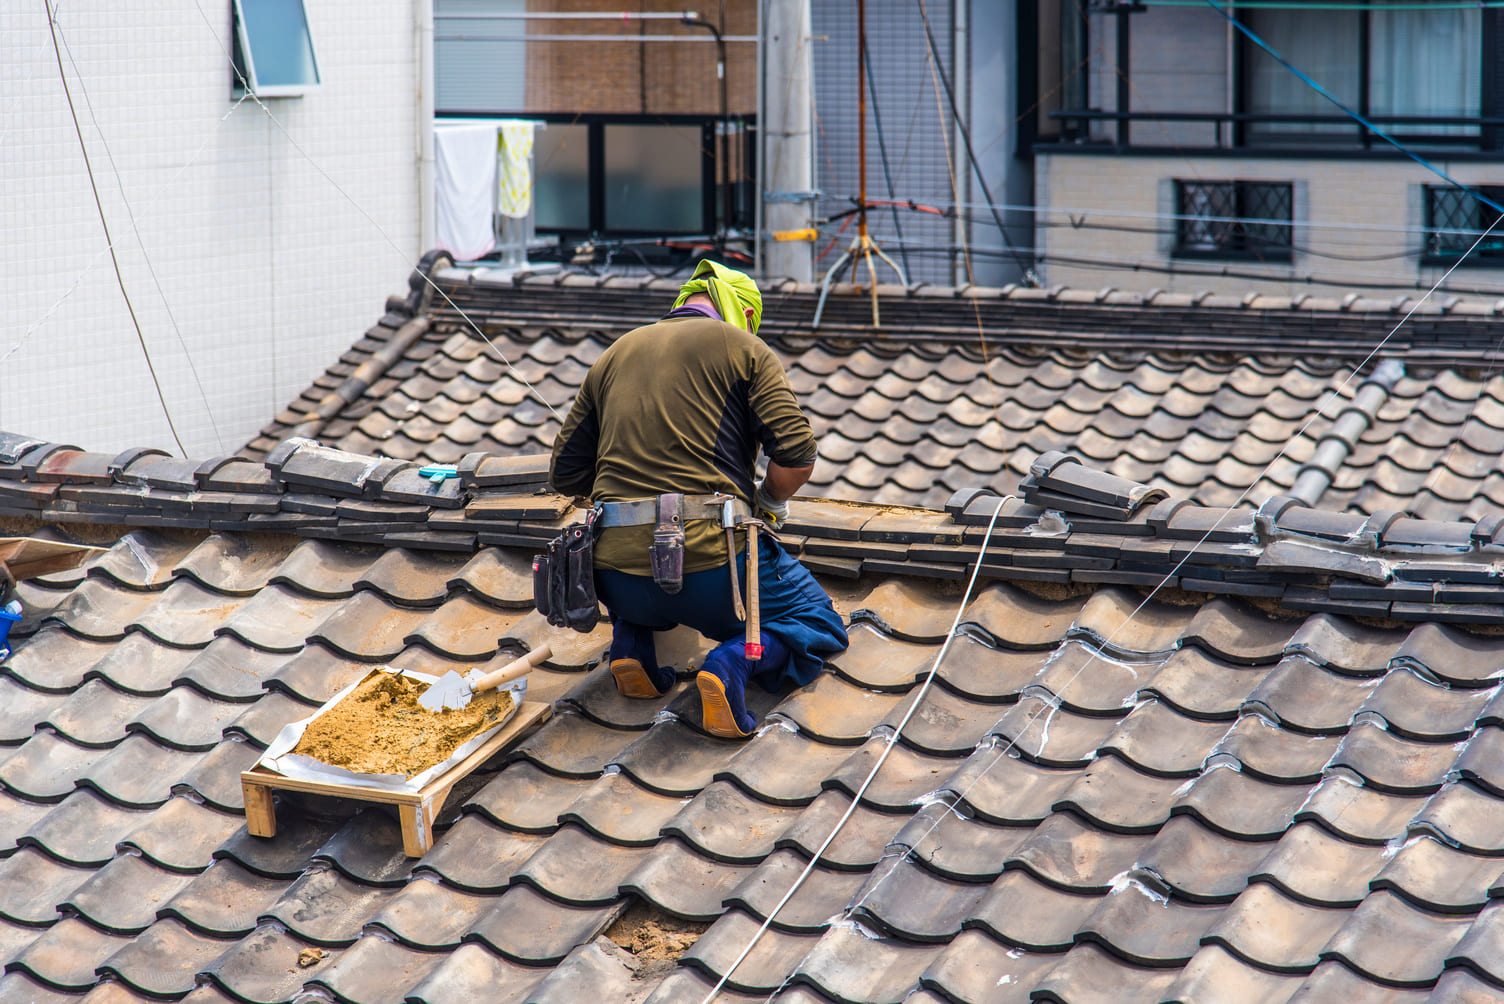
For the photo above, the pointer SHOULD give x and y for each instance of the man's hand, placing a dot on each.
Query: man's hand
(771, 500)
(770, 512)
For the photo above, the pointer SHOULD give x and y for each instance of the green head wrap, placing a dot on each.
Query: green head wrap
(731, 292)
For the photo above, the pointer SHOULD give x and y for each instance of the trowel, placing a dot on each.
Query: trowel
(454, 691)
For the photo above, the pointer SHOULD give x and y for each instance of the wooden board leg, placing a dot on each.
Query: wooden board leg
(417, 828)
(260, 816)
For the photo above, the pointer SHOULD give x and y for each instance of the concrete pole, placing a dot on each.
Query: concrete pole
(788, 140)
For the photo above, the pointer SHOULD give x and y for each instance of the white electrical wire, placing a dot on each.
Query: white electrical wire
(882, 758)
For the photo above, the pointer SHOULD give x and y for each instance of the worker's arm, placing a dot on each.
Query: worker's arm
(782, 482)
(571, 469)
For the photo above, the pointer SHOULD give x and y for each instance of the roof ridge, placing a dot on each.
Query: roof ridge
(1075, 525)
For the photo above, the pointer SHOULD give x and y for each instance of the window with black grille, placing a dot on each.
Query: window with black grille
(1455, 218)
(1246, 220)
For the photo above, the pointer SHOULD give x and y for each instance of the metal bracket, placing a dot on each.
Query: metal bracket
(790, 196)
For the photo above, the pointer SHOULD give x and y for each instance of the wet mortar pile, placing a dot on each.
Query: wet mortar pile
(379, 727)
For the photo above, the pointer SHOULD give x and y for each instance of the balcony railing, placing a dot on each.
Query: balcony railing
(1240, 130)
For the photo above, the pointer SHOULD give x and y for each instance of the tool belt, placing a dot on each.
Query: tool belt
(564, 578)
(667, 513)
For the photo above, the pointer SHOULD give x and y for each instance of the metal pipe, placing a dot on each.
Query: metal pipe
(589, 38)
(723, 156)
(623, 15)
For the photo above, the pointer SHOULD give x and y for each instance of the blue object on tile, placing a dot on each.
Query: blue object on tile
(7, 620)
(439, 473)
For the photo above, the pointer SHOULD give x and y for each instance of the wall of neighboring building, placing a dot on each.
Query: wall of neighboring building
(481, 69)
(1358, 225)
(264, 240)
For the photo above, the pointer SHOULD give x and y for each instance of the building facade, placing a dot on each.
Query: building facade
(253, 233)
(1175, 149)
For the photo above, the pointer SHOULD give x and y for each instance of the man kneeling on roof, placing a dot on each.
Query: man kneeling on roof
(664, 438)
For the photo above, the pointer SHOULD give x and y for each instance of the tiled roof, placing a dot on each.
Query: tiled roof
(965, 388)
(1102, 796)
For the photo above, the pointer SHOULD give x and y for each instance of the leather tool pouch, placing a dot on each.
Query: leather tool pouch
(564, 578)
(666, 555)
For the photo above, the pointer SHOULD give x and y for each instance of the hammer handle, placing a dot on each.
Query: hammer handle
(753, 645)
(513, 670)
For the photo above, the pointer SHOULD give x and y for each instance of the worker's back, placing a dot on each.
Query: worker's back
(679, 406)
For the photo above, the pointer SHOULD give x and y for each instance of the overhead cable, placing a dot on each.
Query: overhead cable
(135, 230)
(892, 740)
(105, 225)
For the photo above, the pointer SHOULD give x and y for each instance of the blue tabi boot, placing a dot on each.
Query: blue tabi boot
(722, 683)
(634, 663)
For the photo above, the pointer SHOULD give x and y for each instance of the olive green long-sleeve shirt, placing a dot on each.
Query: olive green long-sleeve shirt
(682, 405)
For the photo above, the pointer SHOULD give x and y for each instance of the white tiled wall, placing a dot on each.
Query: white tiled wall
(258, 253)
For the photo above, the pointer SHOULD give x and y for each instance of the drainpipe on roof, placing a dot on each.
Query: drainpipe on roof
(423, 41)
(1337, 445)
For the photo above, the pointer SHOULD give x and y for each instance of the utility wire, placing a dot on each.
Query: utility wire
(1189, 269)
(1298, 5)
(100, 254)
(104, 224)
(1024, 266)
(881, 759)
(135, 230)
(882, 149)
(1094, 653)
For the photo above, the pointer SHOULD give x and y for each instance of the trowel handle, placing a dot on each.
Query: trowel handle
(513, 670)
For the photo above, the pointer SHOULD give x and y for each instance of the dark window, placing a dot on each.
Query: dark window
(1417, 71)
(1454, 220)
(1233, 219)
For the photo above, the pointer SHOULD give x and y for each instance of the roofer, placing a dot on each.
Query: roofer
(664, 437)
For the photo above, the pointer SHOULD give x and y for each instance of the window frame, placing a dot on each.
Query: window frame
(597, 225)
(1481, 139)
(1243, 192)
(243, 77)
(1485, 256)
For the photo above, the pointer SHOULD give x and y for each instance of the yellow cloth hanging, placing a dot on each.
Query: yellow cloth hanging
(514, 191)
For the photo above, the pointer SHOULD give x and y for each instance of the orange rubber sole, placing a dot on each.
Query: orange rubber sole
(715, 708)
(632, 680)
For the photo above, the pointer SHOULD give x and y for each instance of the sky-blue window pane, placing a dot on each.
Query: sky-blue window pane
(281, 48)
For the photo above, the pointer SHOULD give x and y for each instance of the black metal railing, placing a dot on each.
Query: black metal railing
(1234, 130)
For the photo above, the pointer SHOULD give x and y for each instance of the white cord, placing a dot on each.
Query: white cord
(882, 758)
